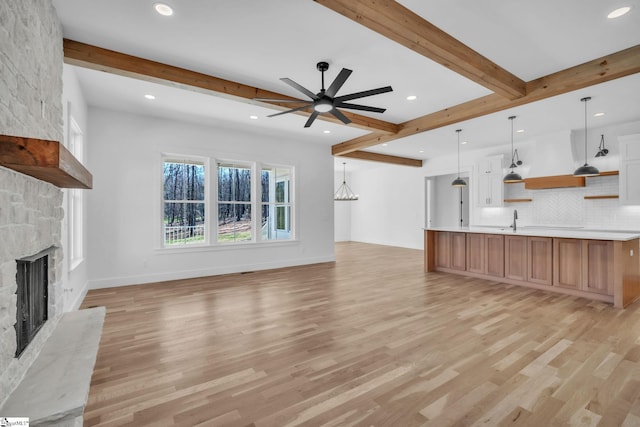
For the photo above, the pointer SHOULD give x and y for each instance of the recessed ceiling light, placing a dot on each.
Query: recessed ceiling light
(163, 9)
(326, 131)
(384, 145)
(520, 131)
(619, 12)
(600, 114)
(421, 151)
(253, 117)
(411, 98)
(463, 142)
(148, 96)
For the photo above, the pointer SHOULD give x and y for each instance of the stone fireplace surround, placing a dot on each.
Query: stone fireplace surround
(30, 221)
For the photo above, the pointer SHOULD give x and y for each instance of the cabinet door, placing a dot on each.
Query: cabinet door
(494, 259)
(458, 251)
(443, 249)
(629, 169)
(515, 257)
(475, 253)
(540, 267)
(597, 266)
(496, 186)
(567, 263)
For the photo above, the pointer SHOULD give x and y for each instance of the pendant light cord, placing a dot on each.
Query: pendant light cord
(585, 100)
(458, 131)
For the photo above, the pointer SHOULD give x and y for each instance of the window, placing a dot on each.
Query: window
(234, 203)
(75, 203)
(184, 202)
(276, 203)
(253, 202)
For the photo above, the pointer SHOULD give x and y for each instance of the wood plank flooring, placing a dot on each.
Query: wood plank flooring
(370, 340)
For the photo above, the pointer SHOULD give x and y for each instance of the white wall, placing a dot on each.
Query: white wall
(125, 207)
(447, 202)
(342, 211)
(391, 209)
(73, 103)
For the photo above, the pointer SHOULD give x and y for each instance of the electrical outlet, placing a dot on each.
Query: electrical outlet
(630, 252)
(43, 107)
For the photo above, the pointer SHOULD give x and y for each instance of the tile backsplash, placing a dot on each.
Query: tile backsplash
(565, 207)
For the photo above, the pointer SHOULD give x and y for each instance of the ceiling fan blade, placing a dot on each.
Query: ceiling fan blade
(292, 110)
(363, 94)
(299, 87)
(278, 100)
(340, 116)
(312, 117)
(338, 82)
(361, 107)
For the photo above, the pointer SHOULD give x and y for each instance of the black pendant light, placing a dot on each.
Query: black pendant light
(458, 182)
(586, 169)
(512, 176)
(602, 150)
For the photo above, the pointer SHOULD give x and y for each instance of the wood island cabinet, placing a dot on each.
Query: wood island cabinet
(475, 253)
(604, 270)
(515, 257)
(485, 254)
(443, 249)
(458, 251)
(585, 265)
(540, 257)
(597, 266)
(494, 254)
(567, 265)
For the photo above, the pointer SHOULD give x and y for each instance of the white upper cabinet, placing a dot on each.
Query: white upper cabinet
(490, 188)
(629, 169)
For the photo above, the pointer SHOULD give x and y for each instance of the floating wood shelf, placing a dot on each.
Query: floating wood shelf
(45, 160)
(608, 196)
(517, 200)
(607, 173)
(515, 182)
(558, 181)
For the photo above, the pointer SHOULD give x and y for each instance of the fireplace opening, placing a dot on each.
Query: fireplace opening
(32, 310)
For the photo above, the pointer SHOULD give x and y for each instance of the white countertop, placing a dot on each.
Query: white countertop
(567, 233)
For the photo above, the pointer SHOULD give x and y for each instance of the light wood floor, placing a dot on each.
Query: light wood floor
(369, 340)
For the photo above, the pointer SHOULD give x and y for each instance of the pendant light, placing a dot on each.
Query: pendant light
(586, 170)
(344, 193)
(458, 182)
(512, 176)
(602, 150)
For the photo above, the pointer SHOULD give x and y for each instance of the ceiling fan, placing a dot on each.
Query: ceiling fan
(326, 100)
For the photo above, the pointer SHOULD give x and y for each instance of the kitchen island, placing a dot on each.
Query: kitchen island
(602, 265)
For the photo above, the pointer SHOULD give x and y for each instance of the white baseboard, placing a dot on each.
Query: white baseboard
(111, 282)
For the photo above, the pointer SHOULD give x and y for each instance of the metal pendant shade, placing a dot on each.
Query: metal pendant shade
(458, 182)
(512, 176)
(344, 193)
(586, 169)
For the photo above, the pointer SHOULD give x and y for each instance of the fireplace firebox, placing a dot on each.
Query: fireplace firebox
(32, 306)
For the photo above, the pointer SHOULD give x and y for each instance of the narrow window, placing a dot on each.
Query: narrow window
(75, 203)
(276, 203)
(234, 203)
(184, 200)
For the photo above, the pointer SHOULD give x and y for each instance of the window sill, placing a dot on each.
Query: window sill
(225, 246)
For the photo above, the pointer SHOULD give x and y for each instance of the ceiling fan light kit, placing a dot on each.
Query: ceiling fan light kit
(326, 100)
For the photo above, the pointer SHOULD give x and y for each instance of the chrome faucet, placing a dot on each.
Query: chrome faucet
(515, 217)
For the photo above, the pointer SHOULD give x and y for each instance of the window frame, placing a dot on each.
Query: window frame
(211, 202)
(291, 203)
(75, 199)
(185, 158)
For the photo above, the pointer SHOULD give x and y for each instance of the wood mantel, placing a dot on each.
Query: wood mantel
(45, 160)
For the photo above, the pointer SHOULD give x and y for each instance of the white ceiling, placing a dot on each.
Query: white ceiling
(256, 42)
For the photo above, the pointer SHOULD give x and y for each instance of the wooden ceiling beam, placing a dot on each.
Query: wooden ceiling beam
(616, 65)
(96, 58)
(394, 21)
(384, 158)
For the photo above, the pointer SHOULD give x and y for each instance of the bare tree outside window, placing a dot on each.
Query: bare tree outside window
(184, 202)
